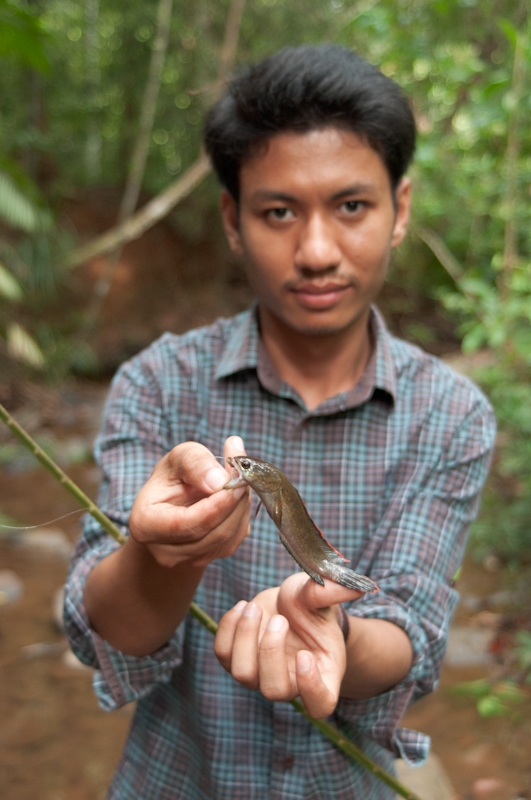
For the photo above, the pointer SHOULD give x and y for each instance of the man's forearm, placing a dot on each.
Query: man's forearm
(136, 604)
(379, 655)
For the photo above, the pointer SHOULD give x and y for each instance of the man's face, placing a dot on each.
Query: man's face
(316, 224)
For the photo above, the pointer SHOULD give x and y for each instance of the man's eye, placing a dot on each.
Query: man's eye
(352, 206)
(279, 213)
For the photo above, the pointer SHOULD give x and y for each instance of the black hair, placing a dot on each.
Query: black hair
(306, 88)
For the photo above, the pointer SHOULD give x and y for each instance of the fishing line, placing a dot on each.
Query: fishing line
(70, 513)
(57, 519)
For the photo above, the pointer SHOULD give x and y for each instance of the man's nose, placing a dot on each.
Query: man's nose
(317, 247)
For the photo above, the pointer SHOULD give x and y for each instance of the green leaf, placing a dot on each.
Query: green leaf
(491, 706)
(21, 346)
(508, 692)
(10, 288)
(21, 37)
(509, 30)
(473, 339)
(523, 649)
(17, 210)
(479, 688)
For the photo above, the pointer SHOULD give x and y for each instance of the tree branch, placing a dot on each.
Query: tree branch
(441, 252)
(144, 219)
(137, 166)
(163, 203)
(147, 114)
(510, 250)
(230, 42)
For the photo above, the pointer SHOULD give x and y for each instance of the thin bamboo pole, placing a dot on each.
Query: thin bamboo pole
(61, 476)
(336, 737)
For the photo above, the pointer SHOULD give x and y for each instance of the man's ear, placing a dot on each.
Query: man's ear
(231, 222)
(403, 205)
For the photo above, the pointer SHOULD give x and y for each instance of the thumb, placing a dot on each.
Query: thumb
(193, 464)
(315, 596)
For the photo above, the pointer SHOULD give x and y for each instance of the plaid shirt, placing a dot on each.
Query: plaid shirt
(391, 471)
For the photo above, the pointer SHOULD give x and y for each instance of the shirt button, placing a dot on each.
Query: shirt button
(288, 762)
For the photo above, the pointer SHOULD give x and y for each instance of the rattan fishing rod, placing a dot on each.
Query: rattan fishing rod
(337, 738)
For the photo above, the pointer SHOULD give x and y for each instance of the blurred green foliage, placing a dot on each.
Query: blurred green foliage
(522, 653)
(71, 85)
(493, 699)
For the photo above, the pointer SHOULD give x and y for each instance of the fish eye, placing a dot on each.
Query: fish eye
(245, 463)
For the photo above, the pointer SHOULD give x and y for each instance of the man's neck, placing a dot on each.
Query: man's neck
(317, 367)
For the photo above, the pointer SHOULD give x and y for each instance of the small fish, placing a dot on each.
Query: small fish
(298, 533)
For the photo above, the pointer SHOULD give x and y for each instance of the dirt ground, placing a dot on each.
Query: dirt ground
(56, 744)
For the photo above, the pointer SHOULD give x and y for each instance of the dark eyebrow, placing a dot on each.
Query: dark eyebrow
(266, 194)
(356, 188)
(348, 191)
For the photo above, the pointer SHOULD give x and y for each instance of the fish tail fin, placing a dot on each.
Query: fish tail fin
(353, 580)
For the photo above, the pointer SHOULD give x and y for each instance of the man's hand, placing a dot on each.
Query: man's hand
(138, 595)
(287, 642)
(181, 516)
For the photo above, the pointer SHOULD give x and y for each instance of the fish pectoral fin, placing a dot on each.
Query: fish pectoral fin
(275, 509)
(258, 507)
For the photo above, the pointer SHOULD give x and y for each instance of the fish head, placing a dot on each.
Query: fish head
(259, 475)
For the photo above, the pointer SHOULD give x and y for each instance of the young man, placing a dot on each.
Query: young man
(387, 446)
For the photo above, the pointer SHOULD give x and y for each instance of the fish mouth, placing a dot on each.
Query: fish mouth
(238, 480)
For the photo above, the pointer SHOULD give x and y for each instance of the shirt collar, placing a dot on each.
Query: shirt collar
(243, 352)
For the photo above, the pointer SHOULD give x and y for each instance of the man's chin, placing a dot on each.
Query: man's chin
(321, 331)
(322, 328)
(317, 325)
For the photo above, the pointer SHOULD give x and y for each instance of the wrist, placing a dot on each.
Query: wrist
(159, 562)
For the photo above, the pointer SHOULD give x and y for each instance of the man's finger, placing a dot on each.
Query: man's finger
(316, 596)
(177, 524)
(225, 634)
(195, 465)
(318, 698)
(275, 680)
(234, 446)
(244, 661)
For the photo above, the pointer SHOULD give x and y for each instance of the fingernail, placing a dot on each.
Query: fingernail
(237, 441)
(304, 662)
(216, 479)
(251, 610)
(276, 623)
(240, 605)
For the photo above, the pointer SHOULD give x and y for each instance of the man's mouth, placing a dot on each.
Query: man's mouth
(320, 296)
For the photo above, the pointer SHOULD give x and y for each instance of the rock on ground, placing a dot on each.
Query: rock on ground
(429, 782)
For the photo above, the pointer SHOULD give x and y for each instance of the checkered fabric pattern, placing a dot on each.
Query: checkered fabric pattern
(390, 471)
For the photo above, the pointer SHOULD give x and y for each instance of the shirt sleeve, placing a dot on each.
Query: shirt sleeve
(413, 557)
(133, 439)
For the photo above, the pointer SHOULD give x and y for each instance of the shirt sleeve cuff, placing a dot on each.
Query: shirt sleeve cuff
(378, 717)
(122, 678)
(119, 678)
